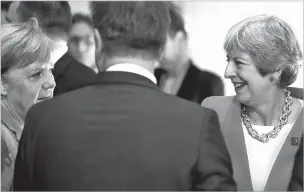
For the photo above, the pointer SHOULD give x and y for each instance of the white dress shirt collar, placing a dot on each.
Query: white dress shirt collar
(133, 68)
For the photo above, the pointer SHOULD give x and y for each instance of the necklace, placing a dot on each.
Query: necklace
(265, 137)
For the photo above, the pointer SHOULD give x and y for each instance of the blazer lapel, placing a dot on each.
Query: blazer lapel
(236, 144)
(189, 83)
(278, 179)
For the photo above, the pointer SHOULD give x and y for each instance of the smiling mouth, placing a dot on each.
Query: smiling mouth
(239, 85)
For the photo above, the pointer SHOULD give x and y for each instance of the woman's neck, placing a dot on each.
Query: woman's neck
(268, 113)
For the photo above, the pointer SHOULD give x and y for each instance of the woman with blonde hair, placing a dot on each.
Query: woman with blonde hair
(263, 123)
(26, 79)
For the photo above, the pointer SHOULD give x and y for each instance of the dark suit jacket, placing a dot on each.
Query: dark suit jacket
(296, 182)
(197, 84)
(229, 113)
(121, 134)
(69, 75)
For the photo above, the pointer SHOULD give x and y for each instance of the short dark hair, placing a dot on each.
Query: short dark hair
(78, 17)
(50, 14)
(130, 27)
(177, 22)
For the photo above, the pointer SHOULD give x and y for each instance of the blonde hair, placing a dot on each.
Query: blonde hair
(23, 44)
(270, 42)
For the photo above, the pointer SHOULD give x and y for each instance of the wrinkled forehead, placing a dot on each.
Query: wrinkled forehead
(12, 13)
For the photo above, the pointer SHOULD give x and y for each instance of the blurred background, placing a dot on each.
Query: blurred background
(208, 22)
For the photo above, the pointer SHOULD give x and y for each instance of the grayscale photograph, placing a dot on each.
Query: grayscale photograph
(152, 96)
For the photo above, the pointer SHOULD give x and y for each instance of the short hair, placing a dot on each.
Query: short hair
(177, 22)
(78, 17)
(132, 27)
(23, 44)
(51, 15)
(270, 42)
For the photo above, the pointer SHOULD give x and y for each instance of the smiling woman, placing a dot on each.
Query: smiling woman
(26, 79)
(263, 122)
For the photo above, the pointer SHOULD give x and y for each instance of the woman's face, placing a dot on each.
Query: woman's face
(29, 85)
(250, 86)
(82, 43)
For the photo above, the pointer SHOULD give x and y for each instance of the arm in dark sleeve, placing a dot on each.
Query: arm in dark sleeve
(22, 177)
(214, 166)
(296, 182)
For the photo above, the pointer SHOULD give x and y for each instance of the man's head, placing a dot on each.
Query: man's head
(176, 49)
(81, 40)
(54, 17)
(131, 29)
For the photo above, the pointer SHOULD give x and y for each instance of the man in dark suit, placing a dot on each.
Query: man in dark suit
(177, 74)
(296, 182)
(122, 133)
(55, 18)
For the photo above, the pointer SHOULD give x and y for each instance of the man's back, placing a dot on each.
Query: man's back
(122, 134)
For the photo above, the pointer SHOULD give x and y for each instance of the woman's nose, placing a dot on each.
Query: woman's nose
(49, 82)
(230, 70)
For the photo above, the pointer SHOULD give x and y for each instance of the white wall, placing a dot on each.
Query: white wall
(208, 22)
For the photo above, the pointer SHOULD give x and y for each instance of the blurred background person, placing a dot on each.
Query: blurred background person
(177, 74)
(4, 10)
(26, 79)
(55, 18)
(81, 40)
(262, 123)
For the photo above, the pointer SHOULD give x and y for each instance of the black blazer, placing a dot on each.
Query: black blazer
(296, 182)
(197, 84)
(69, 74)
(121, 133)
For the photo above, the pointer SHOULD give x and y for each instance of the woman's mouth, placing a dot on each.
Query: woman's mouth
(239, 85)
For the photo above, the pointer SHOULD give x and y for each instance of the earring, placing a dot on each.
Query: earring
(271, 78)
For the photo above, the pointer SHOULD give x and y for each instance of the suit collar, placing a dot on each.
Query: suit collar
(61, 66)
(10, 121)
(115, 77)
(188, 84)
(236, 144)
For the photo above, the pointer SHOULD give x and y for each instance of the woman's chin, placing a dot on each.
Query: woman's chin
(242, 98)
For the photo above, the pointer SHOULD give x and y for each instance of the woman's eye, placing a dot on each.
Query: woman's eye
(36, 76)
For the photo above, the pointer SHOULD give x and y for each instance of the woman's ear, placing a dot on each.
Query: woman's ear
(33, 21)
(3, 88)
(277, 73)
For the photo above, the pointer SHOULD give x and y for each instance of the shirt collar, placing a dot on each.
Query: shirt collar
(133, 68)
(59, 49)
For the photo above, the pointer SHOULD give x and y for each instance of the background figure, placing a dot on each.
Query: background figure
(262, 60)
(4, 10)
(26, 79)
(81, 41)
(55, 18)
(122, 132)
(177, 74)
(296, 181)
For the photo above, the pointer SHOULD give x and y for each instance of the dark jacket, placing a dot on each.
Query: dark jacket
(121, 133)
(197, 84)
(69, 75)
